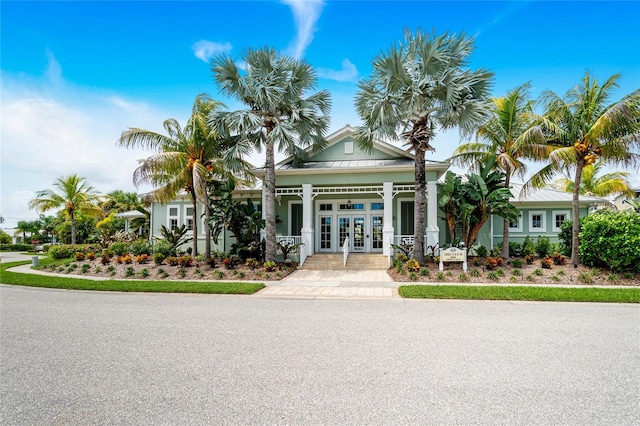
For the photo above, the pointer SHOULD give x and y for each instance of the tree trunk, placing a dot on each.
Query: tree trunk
(207, 230)
(73, 228)
(505, 225)
(575, 228)
(194, 217)
(269, 201)
(418, 208)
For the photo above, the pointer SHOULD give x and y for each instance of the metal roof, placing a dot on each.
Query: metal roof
(544, 195)
(345, 164)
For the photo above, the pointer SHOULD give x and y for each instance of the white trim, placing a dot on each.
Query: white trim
(398, 223)
(567, 214)
(291, 202)
(543, 220)
(169, 216)
(187, 217)
(517, 228)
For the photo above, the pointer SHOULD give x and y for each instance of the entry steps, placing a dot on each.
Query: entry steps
(355, 262)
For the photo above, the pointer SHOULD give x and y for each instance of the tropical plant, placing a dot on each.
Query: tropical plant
(73, 195)
(186, 158)
(585, 127)
(512, 134)
(24, 226)
(174, 238)
(416, 87)
(279, 114)
(597, 184)
(286, 247)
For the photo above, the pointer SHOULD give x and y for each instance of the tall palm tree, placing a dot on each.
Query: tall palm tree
(185, 159)
(595, 184)
(586, 127)
(73, 195)
(279, 113)
(416, 87)
(512, 134)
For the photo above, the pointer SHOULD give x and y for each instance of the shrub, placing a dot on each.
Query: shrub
(98, 269)
(516, 263)
(127, 259)
(500, 272)
(219, 274)
(585, 278)
(546, 262)
(543, 246)
(413, 265)
(172, 260)
(611, 239)
(79, 256)
(61, 252)
(515, 249)
(182, 272)
(164, 248)
(119, 248)
(18, 247)
(144, 273)
(105, 260)
(91, 256)
(516, 272)
(558, 259)
(440, 276)
(252, 263)
(528, 247)
(158, 258)
(613, 278)
(494, 262)
(210, 261)
(463, 277)
(139, 247)
(424, 272)
(185, 261)
(129, 272)
(530, 258)
(269, 265)
(85, 268)
(482, 251)
(413, 276)
(565, 237)
(142, 258)
(475, 273)
(493, 275)
(537, 272)
(402, 257)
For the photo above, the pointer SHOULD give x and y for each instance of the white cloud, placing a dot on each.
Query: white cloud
(305, 16)
(349, 72)
(205, 50)
(51, 129)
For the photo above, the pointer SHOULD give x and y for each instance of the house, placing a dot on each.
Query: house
(344, 192)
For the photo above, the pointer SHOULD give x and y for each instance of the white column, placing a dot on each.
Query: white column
(307, 210)
(263, 231)
(387, 224)
(433, 232)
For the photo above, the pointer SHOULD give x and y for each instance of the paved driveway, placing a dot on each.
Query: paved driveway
(71, 357)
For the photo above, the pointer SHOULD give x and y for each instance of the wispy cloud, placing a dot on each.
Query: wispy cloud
(53, 72)
(511, 9)
(305, 16)
(205, 50)
(349, 72)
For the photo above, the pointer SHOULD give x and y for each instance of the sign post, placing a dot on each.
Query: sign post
(453, 254)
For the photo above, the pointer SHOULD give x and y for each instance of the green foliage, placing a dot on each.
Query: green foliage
(174, 238)
(141, 246)
(164, 248)
(516, 272)
(85, 268)
(482, 251)
(129, 271)
(611, 239)
(413, 276)
(475, 273)
(143, 273)
(543, 246)
(493, 275)
(5, 239)
(528, 247)
(269, 266)
(424, 272)
(516, 263)
(286, 247)
(413, 265)
(17, 247)
(515, 249)
(62, 251)
(585, 278)
(119, 248)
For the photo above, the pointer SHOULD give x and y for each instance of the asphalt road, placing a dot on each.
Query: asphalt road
(72, 357)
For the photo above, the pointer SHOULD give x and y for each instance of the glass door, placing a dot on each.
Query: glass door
(326, 233)
(344, 230)
(353, 227)
(358, 234)
(376, 233)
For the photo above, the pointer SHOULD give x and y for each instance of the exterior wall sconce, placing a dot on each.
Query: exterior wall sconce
(349, 205)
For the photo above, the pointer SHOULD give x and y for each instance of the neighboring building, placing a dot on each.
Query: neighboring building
(368, 197)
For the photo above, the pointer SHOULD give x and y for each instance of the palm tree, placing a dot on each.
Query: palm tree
(595, 184)
(278, 115)
(185, 160)
(74, 195)
(512, 135)
(586, 128)
(417, 87)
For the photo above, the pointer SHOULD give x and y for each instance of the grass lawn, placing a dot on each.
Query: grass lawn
(555, 294)
(213, 287)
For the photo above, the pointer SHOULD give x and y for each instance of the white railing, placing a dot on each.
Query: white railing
(345, 251)
(303, 252)
(389, 251)
(407, 240)
(291, 240)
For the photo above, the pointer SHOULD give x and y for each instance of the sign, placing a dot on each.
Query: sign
(453, 254)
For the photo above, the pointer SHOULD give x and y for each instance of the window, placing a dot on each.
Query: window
(326, 207)
(348, 147)
(295, 218)
(537, 222)
(406, 217)
(377, 206)
(172, 217)
(559, 217)
(188, 218)
(352, 206)
(515, 225)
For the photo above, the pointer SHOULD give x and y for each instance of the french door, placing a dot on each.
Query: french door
(354, 227)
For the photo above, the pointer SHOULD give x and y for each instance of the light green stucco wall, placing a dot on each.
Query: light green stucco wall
(336, 153)
(519, 236)
(375, 177)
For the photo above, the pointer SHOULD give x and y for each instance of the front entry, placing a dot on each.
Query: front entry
(354, 227)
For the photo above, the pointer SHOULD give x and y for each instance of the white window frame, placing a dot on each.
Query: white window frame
(291, 203)
(519, 227)
(554, 213)
(348, 148)
(187, 217)
(543, 221)
(176, 217)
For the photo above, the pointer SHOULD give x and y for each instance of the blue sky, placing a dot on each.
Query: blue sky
(75, 74)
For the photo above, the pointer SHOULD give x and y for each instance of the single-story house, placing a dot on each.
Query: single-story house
(368, 197)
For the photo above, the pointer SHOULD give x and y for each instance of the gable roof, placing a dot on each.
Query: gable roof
(389, 157)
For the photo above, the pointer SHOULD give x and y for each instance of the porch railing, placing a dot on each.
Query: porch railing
(291, 240)
(345, 251)
(303, 252)
(407, 241)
